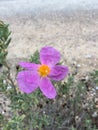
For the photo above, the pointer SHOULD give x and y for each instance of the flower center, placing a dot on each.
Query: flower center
(44, 70)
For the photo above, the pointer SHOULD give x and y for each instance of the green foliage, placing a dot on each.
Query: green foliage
(1, 120)
(15, 123)
(94, 76)
(3, 84)
(4, 31)
(26, 113)
(35, 58)
(4, 41)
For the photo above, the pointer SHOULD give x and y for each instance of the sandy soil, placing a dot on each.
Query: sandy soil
(75, 35)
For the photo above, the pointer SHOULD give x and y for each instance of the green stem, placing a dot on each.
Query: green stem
(9, 76)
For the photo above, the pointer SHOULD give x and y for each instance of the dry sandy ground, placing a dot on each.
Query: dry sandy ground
(75, 35)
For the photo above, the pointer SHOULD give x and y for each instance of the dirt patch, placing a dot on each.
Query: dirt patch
(74, 35)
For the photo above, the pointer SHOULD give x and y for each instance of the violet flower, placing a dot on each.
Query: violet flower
(40, 75)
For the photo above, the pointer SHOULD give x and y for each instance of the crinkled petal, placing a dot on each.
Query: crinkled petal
(29, 66)
(49, 56)
(27, 81)
(47, 88)
(58, 72)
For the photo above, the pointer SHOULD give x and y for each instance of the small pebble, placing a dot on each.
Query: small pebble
(44, 112)
(96, 100)
(94, 114)
(78, 65)
(74, 62)
(9, 87)
(88, 56)
(87, 78)
(96, 88)
(3, 112)
(93, 90)
(4, 81)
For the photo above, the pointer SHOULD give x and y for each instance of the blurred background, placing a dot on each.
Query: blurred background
(71, 26)
(17, 7)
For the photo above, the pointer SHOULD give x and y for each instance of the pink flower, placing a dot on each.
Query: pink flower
(39, 75)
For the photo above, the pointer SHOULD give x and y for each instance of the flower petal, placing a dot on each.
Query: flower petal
(47, 88)
(49, 56)
(59, 72)
(27, 81)
(29, 66)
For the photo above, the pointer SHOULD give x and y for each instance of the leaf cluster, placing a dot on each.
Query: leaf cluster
(4, 41)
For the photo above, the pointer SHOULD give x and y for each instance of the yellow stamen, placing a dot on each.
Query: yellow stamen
(44, 70)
